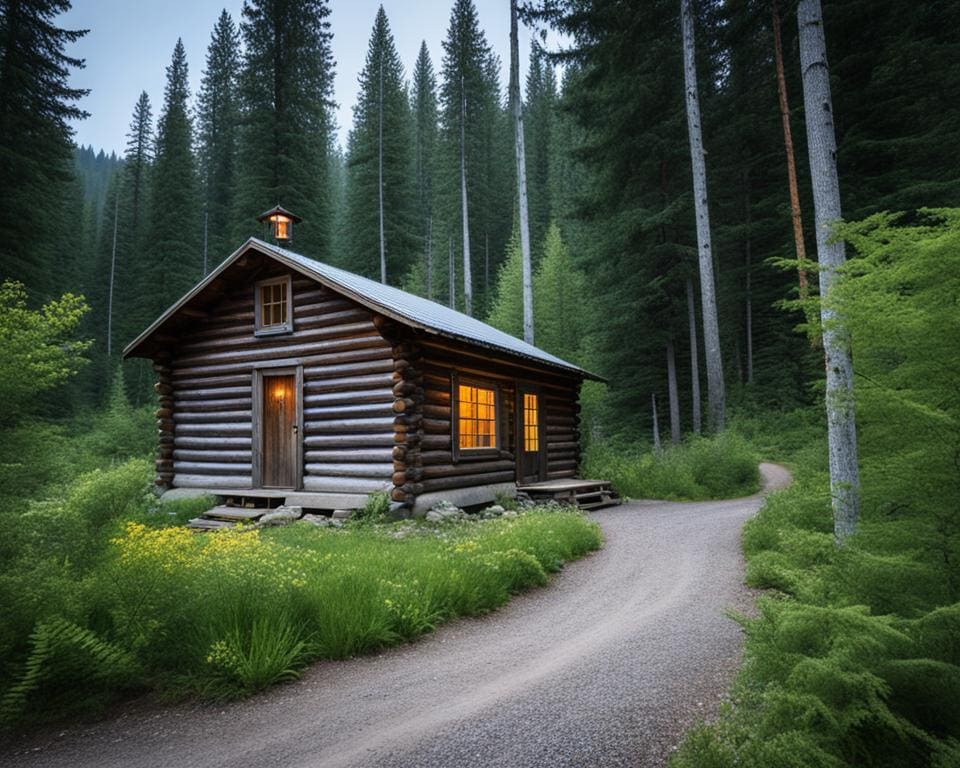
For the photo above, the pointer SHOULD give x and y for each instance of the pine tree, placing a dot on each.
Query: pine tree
(506, 310)
(424, 109)
(286, 138)
(383, 241)
(175, 226)
(559, 299)
(36, 151)
(218, 113)
(541, 104)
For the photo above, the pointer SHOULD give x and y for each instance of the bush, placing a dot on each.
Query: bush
(720, 467)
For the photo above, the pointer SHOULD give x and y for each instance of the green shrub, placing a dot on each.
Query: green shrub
(375, 510)
(103, 496)
(724, 466)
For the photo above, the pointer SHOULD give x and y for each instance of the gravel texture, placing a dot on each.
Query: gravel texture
(607, 666)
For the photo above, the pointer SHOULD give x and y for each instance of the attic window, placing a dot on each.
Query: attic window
(274, 307)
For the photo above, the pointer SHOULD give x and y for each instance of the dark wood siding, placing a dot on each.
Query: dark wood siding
(441, 470)
(347, 392)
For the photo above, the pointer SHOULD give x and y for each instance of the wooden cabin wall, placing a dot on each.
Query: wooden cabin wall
(435, 364)
(348, 396)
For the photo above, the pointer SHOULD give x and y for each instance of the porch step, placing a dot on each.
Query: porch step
(205, 524)
(586, 494)
(224, 512)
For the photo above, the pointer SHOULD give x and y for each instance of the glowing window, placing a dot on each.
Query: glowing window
(531, 424)
(477, 417)
(273, 305)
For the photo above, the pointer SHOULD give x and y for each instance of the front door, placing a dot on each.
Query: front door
(531, 447)
(279, 431)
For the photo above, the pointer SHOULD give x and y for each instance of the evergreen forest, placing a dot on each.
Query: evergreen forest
(764, 296)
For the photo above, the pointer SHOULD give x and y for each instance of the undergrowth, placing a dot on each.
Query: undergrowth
(719, 467)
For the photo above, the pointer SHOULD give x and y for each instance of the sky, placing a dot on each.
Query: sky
(131, 41)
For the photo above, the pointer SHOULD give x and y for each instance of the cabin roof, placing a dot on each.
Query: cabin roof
(398, 304)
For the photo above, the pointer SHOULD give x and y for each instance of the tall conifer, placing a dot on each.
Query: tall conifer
(424, 108)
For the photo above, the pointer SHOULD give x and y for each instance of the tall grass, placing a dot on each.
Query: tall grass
(719, 467)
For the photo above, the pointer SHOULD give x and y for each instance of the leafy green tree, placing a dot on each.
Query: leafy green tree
(424, 109)
(175, 228)
(218, 113)
(383, 238)
(286, 135)
(36, 151)
(39, 348)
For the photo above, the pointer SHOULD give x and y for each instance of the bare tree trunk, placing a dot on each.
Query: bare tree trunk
(521, 176)
(113, 272)
(711, 330)
(657, 447)
(791, 164)
(694, 360)
(452, 267)
(822, 144)
(383, 252)
(430, 256)
(672, 392)
(467, 278)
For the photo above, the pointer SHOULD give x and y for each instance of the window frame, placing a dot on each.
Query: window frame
(270, 330)
(466, 454)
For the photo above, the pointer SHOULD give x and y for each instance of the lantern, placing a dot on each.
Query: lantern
(281, 223)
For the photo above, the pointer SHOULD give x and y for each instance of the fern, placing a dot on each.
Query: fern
(62, 651)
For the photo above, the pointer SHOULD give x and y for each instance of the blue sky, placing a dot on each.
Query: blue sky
(130, 43)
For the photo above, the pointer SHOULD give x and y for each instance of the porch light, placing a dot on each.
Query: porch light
(281, 223)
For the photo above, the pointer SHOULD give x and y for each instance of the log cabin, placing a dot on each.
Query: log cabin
(283, 377)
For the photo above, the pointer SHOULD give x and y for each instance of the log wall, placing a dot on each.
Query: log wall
(348, 393)
(440, 470)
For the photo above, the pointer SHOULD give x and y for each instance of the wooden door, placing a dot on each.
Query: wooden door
(531, 446)
(279, 431)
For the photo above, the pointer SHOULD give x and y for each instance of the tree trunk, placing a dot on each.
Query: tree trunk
(452, 268)
(430, 257)
(672, 392)
(521, 176)
(113, 272)
(694, 360)
(711, 331)
(383, 252)
(822, 145)
(747, 259)
(791, 164)
(467, 286)
(657, 448)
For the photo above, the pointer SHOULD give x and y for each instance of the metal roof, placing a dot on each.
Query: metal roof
(400, 305)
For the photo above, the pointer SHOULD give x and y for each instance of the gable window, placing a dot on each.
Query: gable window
(476, 416)
(273, 306)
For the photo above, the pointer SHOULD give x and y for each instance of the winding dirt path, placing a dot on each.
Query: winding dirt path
(605, 667)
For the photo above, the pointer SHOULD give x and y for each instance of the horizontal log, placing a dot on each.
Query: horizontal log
(349, 398)
(465, 468)
(370, 440)
(403, 405)
(344, 484)
(209, 468)
(215, 456)
(380, 364)
(210, 406)
(437, 412)
(347, 411)
(436, 457)
(349, 425)
(399, 495)
(249, 341)
(218, 429)
(436, 426)
(211, 382)
(435, 442)
(237, 482)
(349, 384)
(218, 393)
(192, 417)
(199, 443)
(348, 455)
(446, 483)
(562, 474)
(404, 388)
(340, 357)
(381, 471)
(437, 396)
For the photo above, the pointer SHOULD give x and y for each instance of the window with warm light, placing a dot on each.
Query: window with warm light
(273, 313)
(531, 424)
(477, 417)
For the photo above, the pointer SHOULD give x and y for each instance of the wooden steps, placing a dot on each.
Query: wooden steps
(586, 494)
(236, 510)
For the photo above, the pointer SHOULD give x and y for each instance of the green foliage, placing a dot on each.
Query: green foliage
(720, 467)
(375, 510)
(38, 349)
(69, 663)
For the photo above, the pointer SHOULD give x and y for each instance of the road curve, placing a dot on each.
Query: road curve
(607, 666)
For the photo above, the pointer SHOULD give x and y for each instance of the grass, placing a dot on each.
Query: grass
(719, 467)
(139, 602)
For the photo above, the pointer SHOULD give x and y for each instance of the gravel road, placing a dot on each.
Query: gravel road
(607, 666)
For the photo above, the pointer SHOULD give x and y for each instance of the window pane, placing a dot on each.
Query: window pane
(477, 417)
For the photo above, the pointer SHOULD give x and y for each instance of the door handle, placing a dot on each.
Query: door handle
(296, 429)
